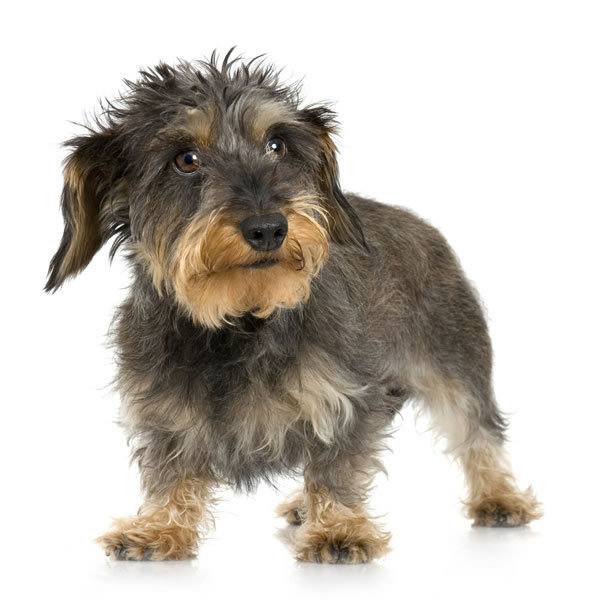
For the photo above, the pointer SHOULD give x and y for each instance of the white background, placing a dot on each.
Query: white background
(483, 117)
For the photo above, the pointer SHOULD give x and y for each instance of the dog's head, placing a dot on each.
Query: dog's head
(223, 188)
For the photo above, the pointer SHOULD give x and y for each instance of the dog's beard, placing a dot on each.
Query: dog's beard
(215, 275)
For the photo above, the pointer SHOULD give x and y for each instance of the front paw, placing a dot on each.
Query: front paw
(354, 542)
(139, 538)
(121, 547)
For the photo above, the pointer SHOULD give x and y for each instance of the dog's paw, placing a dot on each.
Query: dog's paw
(293, 516)
(141, 539)
(509, 510)
(335, 552)
(292, 510)
(341, 544)
(120, 547)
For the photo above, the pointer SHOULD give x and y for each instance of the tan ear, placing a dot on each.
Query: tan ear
(91, 172)
(344, 224)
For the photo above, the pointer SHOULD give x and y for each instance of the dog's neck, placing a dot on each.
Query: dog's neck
(246, 339)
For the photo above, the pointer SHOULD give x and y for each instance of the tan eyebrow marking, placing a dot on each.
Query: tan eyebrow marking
(201, 123)
(267, 114)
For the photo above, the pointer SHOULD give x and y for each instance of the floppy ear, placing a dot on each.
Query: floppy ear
(345, 224)
(93, 204)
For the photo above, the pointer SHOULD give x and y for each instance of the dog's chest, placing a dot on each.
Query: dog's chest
(244, 399)
(265, 430)
(270, 390)
(309, 401)
(268, 378)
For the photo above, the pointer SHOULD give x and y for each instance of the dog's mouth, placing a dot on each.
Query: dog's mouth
(259, 264)
(262, 264)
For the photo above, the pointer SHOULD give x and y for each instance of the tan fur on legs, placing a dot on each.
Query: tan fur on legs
(293, 509)
(336, 533)
(164, 529)
(494, 499)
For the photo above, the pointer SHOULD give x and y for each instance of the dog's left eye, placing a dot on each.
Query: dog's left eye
(186, 162)
(276, 147)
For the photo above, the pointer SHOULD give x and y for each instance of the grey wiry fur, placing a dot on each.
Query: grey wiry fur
(376, 309)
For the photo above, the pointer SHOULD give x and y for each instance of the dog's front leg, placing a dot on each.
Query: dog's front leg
(168, 525)
(335, 526)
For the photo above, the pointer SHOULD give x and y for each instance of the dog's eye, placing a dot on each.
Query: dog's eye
(275, 147)
(187, 162)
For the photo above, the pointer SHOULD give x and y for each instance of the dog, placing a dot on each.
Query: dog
(275, 324)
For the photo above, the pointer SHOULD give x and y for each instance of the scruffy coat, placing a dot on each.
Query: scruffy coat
(236, 365)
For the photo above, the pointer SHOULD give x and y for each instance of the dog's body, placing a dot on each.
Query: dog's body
(274, 324)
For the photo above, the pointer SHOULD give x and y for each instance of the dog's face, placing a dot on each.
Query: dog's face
(225, 191)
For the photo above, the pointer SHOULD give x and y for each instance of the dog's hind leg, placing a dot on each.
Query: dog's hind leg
(468, 418)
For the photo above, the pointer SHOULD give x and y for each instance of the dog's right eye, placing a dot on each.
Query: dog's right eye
(186, 162)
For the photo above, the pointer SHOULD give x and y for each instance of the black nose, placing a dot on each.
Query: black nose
(265, 232)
